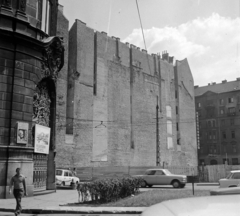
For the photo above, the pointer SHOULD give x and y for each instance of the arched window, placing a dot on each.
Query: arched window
(213, 162)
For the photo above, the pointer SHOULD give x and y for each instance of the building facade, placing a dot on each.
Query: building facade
(218, 109)
(31, 57)
(124, 107)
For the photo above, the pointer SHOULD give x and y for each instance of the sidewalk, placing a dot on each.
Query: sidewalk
(51, 203)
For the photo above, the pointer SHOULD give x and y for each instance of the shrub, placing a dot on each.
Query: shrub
(110, 189)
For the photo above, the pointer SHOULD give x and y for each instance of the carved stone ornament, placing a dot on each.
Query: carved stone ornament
(22, 5)
(7, 3)
(53, 59)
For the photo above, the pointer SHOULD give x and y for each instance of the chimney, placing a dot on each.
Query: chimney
(238, 78)
(214, 83)
(165, 56)
(224, 81)
(171, 59)
(196, 86)
(60, 8)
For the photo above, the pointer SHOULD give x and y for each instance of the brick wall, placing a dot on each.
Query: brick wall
(116, 124)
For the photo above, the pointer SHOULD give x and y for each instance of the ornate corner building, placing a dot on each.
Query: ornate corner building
(31, 57)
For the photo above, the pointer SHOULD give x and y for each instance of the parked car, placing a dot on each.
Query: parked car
(162, 177)
(65, 177)
(225, 191)
(196, 206)
(232, 180)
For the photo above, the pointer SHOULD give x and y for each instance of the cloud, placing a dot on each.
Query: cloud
(211, 45)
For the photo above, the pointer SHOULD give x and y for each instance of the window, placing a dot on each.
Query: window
(212, 149)
(234, 161)
(199, 113)
(225, 161)
(198, 105)
(221, 101)
(177, 110)
(233, 134)
(221, 111)
(169, 111)
(178, 141)
(234, 147)
(236, 176)
(150, 172)
(43, 14)
(201, 161)
(230, 100)
(209, 102)
(224, 135)
(231, 121)
(209, 124)
(159, 172)
(58, 172)
(177, 127)
(222, 122)
(214, 123)
(210, 135)
(231, 110)
(70, 174)
(65, 173)
(214, 135)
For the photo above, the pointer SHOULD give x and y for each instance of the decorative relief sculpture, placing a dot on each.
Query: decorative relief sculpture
(53, 57)
(41, 105)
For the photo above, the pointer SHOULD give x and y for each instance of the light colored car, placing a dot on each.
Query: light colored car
(225, 191)
(65, 177)
(163, 177)
(197, 206)
(232, 180)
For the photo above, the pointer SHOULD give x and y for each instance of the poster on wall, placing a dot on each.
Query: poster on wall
(22, 132)
(41, 139)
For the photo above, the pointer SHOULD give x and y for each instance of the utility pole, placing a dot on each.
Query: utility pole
(157, 136)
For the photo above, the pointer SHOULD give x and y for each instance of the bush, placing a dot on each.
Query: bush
(110, 189)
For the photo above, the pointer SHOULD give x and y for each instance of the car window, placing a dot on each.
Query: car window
(236, 176)
(159, 172)
(58, 172)
(229, 176)
(167, 172)
(70, 174)
(65, 173)
(150, 172)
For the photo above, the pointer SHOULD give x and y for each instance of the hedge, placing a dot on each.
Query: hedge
(109, 189)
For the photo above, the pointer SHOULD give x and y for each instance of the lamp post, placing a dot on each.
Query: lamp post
(157, 136)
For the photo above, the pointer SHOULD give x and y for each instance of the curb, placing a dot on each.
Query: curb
(73, 211)
(207, 184)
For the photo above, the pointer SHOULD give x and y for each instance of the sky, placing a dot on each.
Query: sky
(206, 32)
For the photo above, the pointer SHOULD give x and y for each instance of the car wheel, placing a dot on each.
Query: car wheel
(63, 183)
(150, 186)
(143, 184)
(176, 184)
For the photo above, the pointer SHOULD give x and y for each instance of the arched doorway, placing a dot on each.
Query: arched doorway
(44, 106)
